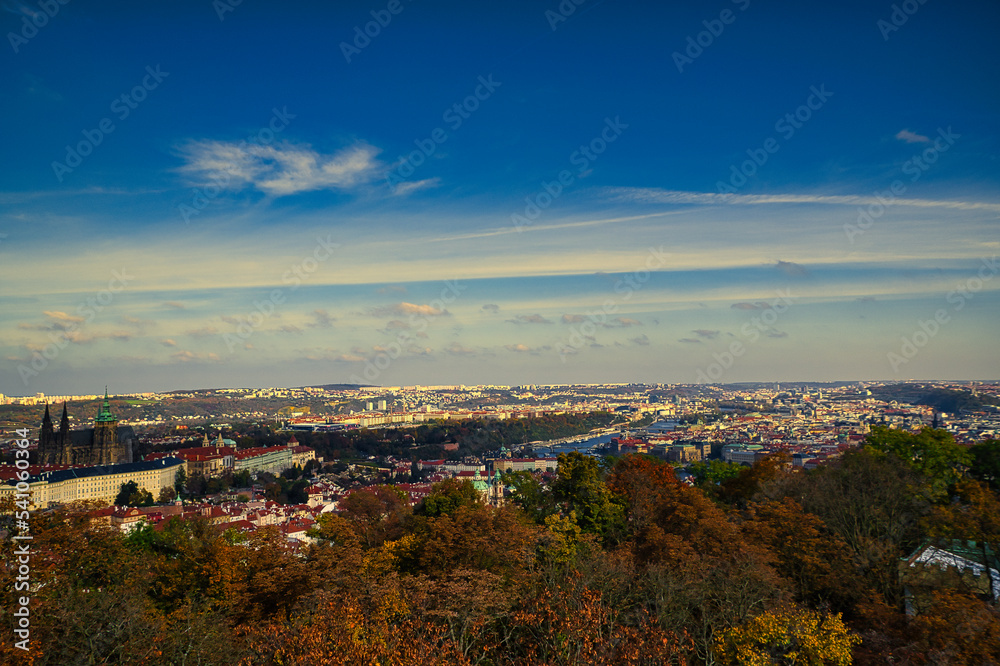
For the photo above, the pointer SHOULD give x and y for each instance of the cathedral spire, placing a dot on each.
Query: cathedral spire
(105, 415)
(64, 423)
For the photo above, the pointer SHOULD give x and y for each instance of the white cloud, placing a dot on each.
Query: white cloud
(407, 187)
(911, 137)
(280, 169)
(408, 309)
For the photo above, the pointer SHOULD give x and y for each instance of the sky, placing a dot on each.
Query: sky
(224, 194)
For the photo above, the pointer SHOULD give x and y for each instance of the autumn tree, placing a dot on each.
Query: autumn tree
(808, 554)
(874, 503)
(375, 514)
(788, 636)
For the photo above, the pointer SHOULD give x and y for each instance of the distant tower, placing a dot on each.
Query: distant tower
(106, 445)
(47, 440)
(65, 440)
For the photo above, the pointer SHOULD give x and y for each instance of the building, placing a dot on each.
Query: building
(966, 566)
(106, 443)
(101, 482)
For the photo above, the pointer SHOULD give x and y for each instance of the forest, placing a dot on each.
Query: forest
(606, 561)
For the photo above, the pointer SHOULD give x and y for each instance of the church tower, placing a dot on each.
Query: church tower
(105, 449)
(65, 440)
(47, 450)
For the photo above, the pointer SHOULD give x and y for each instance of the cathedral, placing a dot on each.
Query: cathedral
(106, 443)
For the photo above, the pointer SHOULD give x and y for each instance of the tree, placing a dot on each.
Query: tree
(973, 514)
(788, 636)
(167, 494)
(447, 496)
(580, 489)
(531, 495)
(932, 453)
(754, 481)
(873, 501)
(668, 520)
(714, 472)
(130, 494)
(242, 479)
(807, 554)
(196, 485)
(180, 480)
(986, 462)
(375, 514)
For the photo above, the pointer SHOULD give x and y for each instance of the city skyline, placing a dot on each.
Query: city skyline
(225, 194)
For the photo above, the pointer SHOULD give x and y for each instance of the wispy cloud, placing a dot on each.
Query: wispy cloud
(525, 349)
(193, 357)
(404, 188)
(281, 169)
(530, 319)
(911, 137)
(647, 195)
(791, 268)
(705, 333)
(401, 309)
(456, 349)
(321, 319)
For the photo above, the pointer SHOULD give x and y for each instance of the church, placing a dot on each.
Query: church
(106, 443)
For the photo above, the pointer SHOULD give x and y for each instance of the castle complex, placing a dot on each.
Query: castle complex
(106, 443)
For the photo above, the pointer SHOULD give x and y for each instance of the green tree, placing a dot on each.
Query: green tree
(580, 489)
(130, 494)
(986, 462)
(531, 495)
(447, 496)
(714, 472)
(180, 480)
(933, 453)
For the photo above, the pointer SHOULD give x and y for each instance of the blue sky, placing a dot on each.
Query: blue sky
(199, 194)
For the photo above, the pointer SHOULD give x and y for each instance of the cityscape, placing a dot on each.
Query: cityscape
(555, 333)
